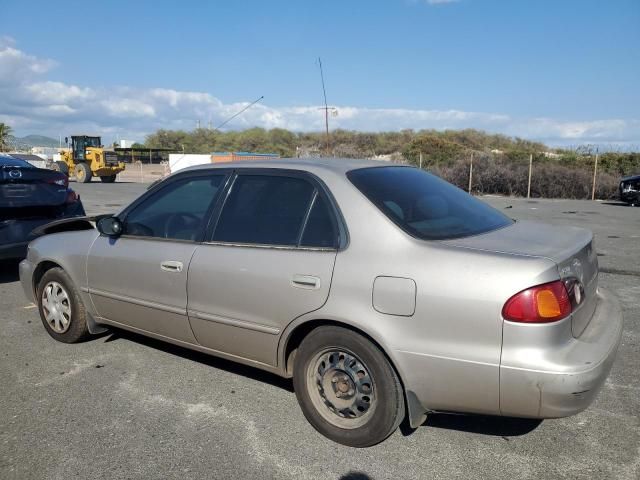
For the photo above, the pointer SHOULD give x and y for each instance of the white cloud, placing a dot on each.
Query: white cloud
(31, 103)
(440, 2)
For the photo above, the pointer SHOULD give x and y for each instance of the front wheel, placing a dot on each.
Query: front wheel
(347, 388)
(83, 173)
(61, 309)
(60, 166)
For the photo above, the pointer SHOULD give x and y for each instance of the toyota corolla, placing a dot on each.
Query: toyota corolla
(385, 292)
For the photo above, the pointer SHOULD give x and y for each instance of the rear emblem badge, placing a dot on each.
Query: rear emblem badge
(15, 173)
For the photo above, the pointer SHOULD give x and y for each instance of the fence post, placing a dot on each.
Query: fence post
(595, 172)
(530, 167)
(420, 160)
(471, 173)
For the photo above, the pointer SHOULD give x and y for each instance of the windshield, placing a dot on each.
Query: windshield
(8, 161)
(424, 205)
(84, 142)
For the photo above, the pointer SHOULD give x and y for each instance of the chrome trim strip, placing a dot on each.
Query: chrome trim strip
(274, 247)
(233, 322)
(137, 301)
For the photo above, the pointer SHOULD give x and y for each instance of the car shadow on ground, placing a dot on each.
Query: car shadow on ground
(494, 426)
(9, 271)
(617, 204)
(209, 360)
(355, 476)
(504, 427)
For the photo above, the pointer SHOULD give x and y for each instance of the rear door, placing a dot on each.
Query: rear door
(140, 278)
(269, 259)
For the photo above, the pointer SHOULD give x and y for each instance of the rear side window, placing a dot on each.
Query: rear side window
(9, 161)
(319, 230)
(424, 205)
(274, 210)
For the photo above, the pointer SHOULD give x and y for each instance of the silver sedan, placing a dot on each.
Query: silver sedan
(385, 292)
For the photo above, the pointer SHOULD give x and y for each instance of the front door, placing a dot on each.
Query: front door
(270, 260)
(140, 278)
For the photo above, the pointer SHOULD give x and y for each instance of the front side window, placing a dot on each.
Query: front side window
(274, 210)
(177, 211)
(424, 205)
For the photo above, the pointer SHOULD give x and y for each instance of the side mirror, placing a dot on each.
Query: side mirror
(110, 226)
(66, 140)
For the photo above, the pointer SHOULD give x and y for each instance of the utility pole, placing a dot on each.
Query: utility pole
(471, 173)
(420, 160)
(595, 173)
(530, 167)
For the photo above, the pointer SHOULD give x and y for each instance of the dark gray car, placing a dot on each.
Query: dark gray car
(382, 290)
(29, 198)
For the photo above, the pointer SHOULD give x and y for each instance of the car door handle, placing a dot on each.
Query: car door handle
(306, 281)
(171, 266)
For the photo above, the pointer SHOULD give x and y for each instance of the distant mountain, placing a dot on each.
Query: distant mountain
(22, 143)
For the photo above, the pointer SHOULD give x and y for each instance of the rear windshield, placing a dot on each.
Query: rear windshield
(425, 206)
(8, 161)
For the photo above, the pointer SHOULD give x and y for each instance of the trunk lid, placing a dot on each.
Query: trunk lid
(570, 248)
(31, 187)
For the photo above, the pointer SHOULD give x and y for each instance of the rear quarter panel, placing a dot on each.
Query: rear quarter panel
(448, 351)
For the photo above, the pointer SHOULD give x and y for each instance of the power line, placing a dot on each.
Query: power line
(234, 116)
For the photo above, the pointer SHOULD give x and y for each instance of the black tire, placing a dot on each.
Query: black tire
(316, 389)
(83, 173)
(76, 329)
(60, 166)
(108, 178)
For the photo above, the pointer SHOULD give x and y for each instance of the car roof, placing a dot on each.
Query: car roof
(336, 165)
(631, 177)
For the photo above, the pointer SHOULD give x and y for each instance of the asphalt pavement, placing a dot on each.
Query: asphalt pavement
(125, 406)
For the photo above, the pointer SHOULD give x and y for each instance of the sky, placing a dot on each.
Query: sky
(565, 72)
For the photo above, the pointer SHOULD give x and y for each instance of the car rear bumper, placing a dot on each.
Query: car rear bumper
(13, 250)
(560, 379)
(16, 233)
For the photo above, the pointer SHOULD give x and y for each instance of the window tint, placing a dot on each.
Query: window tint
(264, 209)
(424, 205)
(177, 211)
(319, 230)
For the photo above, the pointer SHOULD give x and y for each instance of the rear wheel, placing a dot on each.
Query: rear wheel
(83, 173)
(61, 309)
(60, 166)
(347, 388)
(108, 178)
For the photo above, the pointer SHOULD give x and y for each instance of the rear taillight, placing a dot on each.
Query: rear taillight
(72, 197)
(62, 181)
(540, 304)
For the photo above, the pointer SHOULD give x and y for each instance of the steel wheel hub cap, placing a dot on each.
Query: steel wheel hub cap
(344, 384)
(56, 307)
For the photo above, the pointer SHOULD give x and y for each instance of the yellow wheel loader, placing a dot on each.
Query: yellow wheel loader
(87, 158)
